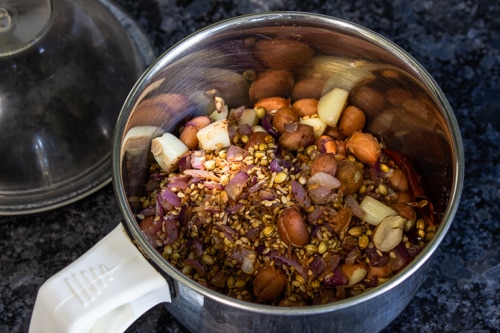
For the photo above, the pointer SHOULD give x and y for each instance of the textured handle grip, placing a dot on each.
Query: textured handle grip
(105, 290)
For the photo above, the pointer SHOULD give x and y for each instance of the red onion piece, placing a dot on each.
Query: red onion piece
(289, 262)
(401, 257)
(245, 129)
(220, 278)
(148, 211)
(203, 174)
(171, 229)
(198, 159)
(320, 185)
(185, 162)
(178, 182)
(267, 123)
(197, 247)
(196, 265)
(318, 265)
(235, 152)
(355, 207)
(257, 186)
(352, 255)
(238, 254)
(300, 195)
(232, 209)
(230, 233)
(236, 185)
(169, 196)
(337, 278)
(267, 194)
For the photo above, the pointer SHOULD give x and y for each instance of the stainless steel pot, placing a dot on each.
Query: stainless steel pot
(123, 276)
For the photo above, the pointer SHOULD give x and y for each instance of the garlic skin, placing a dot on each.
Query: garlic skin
(167, 150)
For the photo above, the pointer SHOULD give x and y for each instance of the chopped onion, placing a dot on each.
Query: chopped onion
(355, 207)
(320, 185)
(236, 185)
(170, 196)
(300, 195)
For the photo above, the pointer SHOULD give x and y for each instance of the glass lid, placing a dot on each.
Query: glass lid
(66, 68)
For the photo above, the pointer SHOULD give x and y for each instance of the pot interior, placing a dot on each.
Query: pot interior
(213, 61)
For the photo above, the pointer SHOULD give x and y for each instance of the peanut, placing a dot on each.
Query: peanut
(324, 163)
(369, 100)
(355, 273)
(284, 116)
(389, 233)
(306, 106)
(272, 103)
(308, 88)
(269, 283)
(188, 134)
(298, 136)
(365, 147)
(379, 271)
(292, 228)
(350, 176)
(257, 138)
(398, 180)
(271, 83)
(283, 53)
(351, 120)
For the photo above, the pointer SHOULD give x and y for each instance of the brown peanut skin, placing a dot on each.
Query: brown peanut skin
(291, 227)
(256, 139)
(371, 101)
(269, 283)
(398, 180)
(271, 83)
(306, 106)
(284, 116)
(308, 88)
(272, 103)
(350, 176)
(365, 147)
(283, 53)
(324, 163)
(301, 137)
(326, 144)
(352, 120)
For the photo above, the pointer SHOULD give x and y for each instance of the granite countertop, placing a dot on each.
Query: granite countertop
(457, 41)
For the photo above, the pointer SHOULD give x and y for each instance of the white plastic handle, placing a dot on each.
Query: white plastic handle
(105, 290)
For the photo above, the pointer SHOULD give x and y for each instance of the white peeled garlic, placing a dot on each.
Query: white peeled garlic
(248, 117)
(258, 128)
(318, 125)
(331, 105)
(167, 150)
(214, 136)
(375, 210)
(389, 233)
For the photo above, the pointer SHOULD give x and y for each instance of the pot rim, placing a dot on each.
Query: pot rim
(308, 19)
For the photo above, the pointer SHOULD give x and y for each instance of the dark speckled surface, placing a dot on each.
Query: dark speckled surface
(457, 41)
